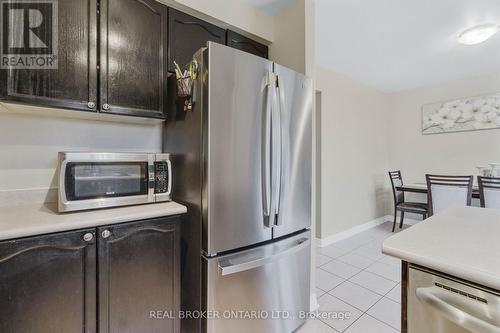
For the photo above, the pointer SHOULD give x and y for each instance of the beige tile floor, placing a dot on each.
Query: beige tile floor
(354, 276)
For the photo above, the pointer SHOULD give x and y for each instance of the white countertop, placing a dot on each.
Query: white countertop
(462, 241)
(35, 219)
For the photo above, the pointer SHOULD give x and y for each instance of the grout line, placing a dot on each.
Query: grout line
(370, 289)
(366, 312)
(362, 270)
(362, 313)
(380, 321)
(326, 292)
(348, 251)
(325, 262)
(392, 290)
(384, 276)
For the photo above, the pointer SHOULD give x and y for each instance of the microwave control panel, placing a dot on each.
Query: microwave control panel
(161, 177)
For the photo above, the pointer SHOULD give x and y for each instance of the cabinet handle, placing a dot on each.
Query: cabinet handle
(105, 234)
(91, 105)
(88, 237)
(106, 106)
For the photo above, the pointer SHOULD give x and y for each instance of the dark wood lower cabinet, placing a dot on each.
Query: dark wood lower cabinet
(139, 277)
(121, 278)
(48, 284)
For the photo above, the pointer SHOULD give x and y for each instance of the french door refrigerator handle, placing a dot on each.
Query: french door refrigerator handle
(266, 151)
(227, 268)
(280, 96)
(430, 297)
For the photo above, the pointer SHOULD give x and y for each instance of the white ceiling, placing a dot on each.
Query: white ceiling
(395, 45)
(272, 7)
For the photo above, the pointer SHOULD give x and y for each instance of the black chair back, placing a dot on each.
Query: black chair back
(444, 191)
(489, 189)
(397, 180)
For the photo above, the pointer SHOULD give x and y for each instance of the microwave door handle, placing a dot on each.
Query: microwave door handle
(169, 187)
(151, 181)
(63, 200)
(431, 297)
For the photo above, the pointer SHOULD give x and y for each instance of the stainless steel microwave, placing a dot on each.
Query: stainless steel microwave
(100, 180)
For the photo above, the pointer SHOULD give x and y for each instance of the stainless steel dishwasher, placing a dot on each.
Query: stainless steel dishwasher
(440, 304)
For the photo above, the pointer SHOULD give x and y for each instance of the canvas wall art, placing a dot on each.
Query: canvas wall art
(466, 114)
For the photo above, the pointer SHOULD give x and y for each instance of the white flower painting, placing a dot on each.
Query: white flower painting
(467, 114)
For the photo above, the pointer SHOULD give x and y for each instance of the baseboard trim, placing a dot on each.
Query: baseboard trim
(407, 220)
(314, 305)
(322, 242)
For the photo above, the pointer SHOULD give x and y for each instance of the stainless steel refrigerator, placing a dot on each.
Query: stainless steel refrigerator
(242, 163)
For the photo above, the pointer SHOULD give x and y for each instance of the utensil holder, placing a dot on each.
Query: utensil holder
(185, 92)
(185, 84)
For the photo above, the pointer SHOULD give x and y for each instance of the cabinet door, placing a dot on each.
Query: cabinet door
(186, 35)
(139, 274)
(48, 283)
(133, 49)
(73, 84)
(243, 43)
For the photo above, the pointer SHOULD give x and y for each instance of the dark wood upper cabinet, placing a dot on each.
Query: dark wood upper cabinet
(243, 43)
(139, 272)
(73, 84)
(139, 40)
(48, 283)
(132, 57)
(186, 35)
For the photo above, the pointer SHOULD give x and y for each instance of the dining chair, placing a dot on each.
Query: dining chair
(445, 191)
(402, 206)
(489, 189)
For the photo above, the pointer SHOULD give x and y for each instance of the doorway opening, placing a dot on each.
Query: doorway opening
(318, 165)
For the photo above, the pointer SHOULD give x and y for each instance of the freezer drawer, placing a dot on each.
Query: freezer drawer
(248, 289)
(440, 304)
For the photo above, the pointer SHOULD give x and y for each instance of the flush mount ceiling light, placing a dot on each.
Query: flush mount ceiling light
(478, 34)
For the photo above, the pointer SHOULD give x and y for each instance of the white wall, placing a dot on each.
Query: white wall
(29, 145)
(289, 45)
(310, 70)
(452, 153)
(367, 133)
(355, 154)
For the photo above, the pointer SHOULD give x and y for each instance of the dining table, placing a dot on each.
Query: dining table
(422, 188)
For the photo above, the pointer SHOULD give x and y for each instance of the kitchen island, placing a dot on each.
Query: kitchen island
(462, 246)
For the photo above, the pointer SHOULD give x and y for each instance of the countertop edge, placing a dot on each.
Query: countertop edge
(472, 275)
(51, 222)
